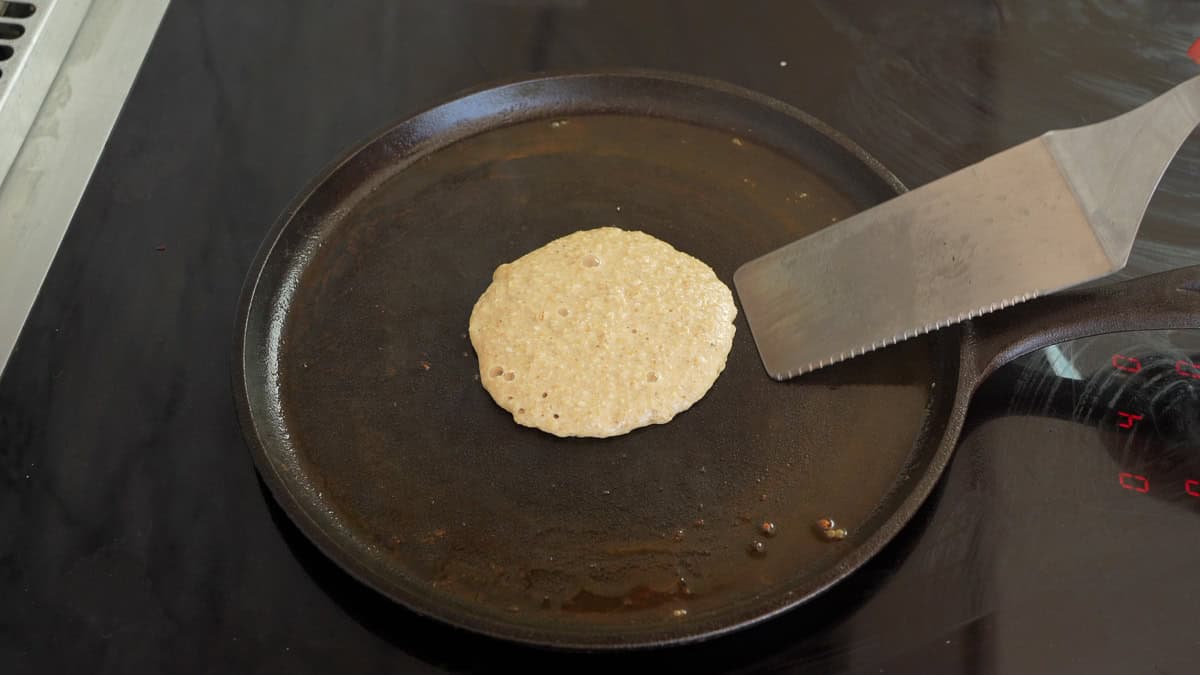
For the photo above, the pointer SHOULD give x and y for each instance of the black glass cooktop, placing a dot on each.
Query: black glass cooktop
(1135, 398)
(1061, 539)
(136, 538)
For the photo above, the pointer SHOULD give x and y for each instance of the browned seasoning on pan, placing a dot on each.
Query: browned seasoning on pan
(829, 529)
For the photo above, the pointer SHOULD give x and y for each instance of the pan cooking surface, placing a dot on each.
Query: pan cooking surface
(373, 430)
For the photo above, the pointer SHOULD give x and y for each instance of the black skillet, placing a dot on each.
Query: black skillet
(357, 386)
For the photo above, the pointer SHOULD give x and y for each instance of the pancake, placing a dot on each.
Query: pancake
(601, 332)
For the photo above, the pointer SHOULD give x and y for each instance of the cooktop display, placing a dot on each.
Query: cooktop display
(1135, 398)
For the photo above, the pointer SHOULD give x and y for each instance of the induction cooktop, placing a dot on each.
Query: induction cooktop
(135, 536)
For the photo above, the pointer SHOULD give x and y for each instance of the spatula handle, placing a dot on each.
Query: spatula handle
(1114, 166)
(1168, 300)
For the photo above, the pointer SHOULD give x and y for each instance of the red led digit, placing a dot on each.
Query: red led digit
(1188, 369)
(1126, 363)
(1128, 419)
(1192, 487)
(1132, 481)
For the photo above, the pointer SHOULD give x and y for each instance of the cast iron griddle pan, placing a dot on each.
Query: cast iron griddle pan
(358, 388)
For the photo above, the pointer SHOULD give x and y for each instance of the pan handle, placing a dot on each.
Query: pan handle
(1167, 300)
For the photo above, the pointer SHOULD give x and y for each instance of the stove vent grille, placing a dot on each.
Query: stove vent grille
(14, 17)
(35, 36)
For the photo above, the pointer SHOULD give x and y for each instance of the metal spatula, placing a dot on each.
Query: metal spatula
(1050, 213)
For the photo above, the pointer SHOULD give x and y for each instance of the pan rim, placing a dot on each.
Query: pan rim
(331, 547)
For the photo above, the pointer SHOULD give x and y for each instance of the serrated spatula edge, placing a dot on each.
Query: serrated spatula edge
(907, 335)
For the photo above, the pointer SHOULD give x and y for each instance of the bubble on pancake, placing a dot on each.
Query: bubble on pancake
(601, 332)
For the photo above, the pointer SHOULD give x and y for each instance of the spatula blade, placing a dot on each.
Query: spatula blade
(993, 234)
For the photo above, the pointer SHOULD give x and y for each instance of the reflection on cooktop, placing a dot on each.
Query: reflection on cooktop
(1135, 401)
(1071, 509)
